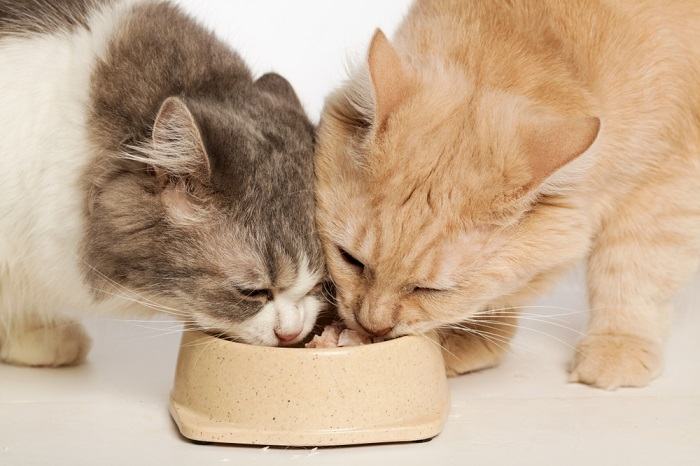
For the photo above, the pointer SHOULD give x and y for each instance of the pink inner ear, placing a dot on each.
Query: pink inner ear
(550, 144)
(389, 78)
(178, 202)
(178, 148)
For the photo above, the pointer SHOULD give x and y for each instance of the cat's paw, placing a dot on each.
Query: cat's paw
(612, 361)
(465, 352)
(59, 344)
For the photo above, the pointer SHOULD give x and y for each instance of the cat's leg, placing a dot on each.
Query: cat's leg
(644, 253)
(476, 345)
(34, 340)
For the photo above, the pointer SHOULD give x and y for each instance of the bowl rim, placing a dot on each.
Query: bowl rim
(298, 350)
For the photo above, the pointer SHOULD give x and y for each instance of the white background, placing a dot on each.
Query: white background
(114, 409)
(310, 42)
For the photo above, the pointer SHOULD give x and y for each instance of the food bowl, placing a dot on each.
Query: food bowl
(226, 392)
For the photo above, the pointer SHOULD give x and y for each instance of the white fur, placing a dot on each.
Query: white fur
(44, 93)
(291, 311)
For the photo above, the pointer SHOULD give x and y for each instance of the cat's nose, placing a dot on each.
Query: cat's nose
(375, 332)
(286, 336)
(382, 332)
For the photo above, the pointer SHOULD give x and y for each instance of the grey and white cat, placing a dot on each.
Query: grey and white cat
(142, 165)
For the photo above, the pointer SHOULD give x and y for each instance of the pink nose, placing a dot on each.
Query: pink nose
(287, 335)
(377, 333)
(382, 332)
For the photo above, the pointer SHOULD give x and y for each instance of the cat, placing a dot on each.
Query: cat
(142, 166)
(494, 144)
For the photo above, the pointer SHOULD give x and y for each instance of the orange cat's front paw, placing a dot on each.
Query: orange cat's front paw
(612, 361)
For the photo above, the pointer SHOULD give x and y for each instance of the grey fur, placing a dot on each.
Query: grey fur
(258, 198)
(21, 17)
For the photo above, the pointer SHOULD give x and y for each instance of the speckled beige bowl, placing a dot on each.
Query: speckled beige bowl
(395, 391)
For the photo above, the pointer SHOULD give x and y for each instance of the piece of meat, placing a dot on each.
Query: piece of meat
(352, 338)
(337, 335)
(327, 339)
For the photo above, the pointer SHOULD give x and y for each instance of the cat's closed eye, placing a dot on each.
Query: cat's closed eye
(350, 259)
(426, 290)
(257, 294)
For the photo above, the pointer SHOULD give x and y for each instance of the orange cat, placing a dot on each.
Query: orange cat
(494, 144)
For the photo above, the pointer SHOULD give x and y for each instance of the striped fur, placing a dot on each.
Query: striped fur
(450, 204)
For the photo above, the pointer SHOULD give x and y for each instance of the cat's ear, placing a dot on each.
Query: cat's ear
(177, 148)
(277, 85)
(390, 81)
(551, 143)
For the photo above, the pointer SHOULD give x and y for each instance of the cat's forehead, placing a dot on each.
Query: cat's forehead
(406, 249)
(262, 183)
(251, 128)
(461, 157)
(442, 192)
(261, 161)
(261, 257)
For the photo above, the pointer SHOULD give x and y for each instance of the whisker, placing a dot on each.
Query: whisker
(497, 340)
(530, 329)
(443, 348)
(150, 305)
(508, 324)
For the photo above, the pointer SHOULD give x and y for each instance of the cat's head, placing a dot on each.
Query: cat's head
(211, 218)
(427, 192)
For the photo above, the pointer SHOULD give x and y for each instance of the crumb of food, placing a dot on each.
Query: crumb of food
(328, 338)
(336, 335)
(352, 338)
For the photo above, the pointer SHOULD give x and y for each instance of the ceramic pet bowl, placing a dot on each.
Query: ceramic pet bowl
(226, 392)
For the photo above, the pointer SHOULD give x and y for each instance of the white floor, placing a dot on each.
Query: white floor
(113, 410)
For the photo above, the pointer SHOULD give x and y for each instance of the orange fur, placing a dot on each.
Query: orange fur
(528, 134)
